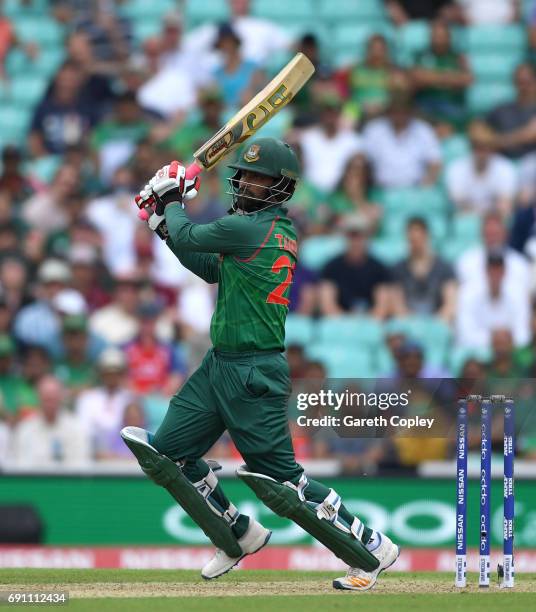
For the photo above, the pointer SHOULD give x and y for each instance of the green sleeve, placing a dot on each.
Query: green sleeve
(204, 265)
(236, 234)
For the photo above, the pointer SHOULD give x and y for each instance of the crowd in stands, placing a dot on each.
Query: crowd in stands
(416, 212)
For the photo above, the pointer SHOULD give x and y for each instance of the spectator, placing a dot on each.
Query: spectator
(355, 281)
(403, 150)
(6, 317)
(440, 77)
(39, 323)
(114, 139)
(5, 439)
(188, 135)
(114, 447)
(11, 384)
(117, 236)
(402, 11)
(424, 284)
(327, 147)
(76, 369)
(410, 363)
(175, 53)
(53, 436)
(88, 275)
(48, 210)
(296, 361)
(261, 38)
(351, 194)
(471, 266)
(237, 78)
(8, 41)
(64, 117)
(117, 323)
(484, 180)
(153, 365)
(303, 101)
(13, 180)
(484, 12)
(109, 32)
(101, 408)
(370, 81)
(98, 74)
(303, 294)
(494, 305)
(14, 282)
(514, 121)
(504, 363)
(18, 384)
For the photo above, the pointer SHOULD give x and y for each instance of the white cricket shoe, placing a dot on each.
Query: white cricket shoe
(357, 579)
(252, 541)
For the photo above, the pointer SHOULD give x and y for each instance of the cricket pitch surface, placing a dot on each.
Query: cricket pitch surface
(263, 591)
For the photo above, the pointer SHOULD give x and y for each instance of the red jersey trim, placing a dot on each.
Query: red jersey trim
(266, 238)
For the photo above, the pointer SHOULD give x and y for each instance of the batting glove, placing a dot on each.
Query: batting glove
(168, 185)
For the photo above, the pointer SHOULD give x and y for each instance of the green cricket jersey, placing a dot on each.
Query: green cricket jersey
(252, 258)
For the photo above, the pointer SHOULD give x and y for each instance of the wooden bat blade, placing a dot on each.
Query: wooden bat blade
(276, 95)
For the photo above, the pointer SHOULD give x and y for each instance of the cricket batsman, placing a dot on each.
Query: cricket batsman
(243, 383)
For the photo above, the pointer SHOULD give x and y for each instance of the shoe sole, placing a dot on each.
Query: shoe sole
(339, 586)
(266, 540)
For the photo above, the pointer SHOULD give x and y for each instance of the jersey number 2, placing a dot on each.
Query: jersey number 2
(276, 296)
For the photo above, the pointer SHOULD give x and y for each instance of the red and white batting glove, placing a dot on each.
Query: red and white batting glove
(168, 185)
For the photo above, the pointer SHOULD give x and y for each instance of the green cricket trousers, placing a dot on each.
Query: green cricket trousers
(247, 395)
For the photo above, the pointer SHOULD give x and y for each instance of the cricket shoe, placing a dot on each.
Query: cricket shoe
(357, 579)
(252, 541)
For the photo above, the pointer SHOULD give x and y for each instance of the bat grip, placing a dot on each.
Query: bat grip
(193, 170)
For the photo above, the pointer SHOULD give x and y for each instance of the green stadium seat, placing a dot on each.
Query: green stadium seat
(47, 62)
(212, 11)
(351, 10)
(27, 90)
(466, 227)
(43, 168)
(40, 30)
(14, 122)
(433, 334)
(316, 251)
(145, 28)
(412, 39)
(383, 361)
(413, 200)
(452, 249)
(342, 361)
(299, 329)
(460, 355)
(349, 41)
(16, 8)
(153, 10)
(454, 147)
(494, 66)
(353, 330)
(283, 10)
(389, 250)
(483, 97)
(494, 38)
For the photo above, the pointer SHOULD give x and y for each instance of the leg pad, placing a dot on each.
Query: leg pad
(195, 501)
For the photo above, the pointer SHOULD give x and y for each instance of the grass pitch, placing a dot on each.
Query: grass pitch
(263, 591)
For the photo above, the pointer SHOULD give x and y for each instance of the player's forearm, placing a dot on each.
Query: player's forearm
(204, 265)
(190, 236)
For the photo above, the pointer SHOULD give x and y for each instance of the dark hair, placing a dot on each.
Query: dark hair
(419, 222)
(309, 39)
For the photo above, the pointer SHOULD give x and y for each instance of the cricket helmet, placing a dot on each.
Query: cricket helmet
(269, 157)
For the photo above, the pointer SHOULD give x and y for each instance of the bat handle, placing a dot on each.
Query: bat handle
(193, 170)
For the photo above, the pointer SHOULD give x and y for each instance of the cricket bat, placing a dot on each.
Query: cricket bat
(265, 105)
(256, 113)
